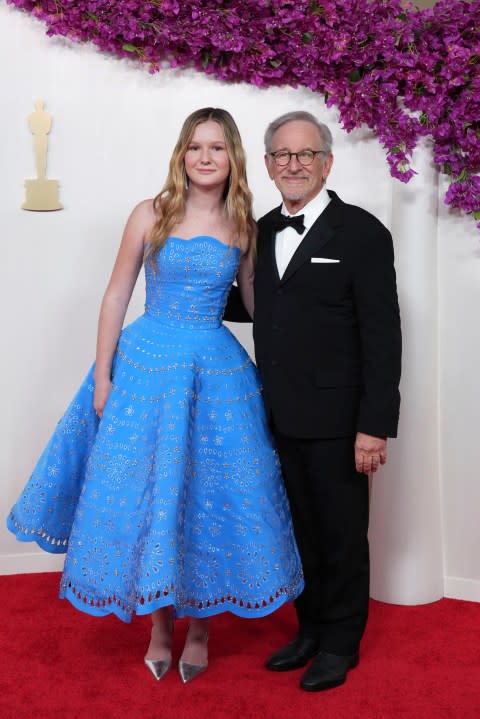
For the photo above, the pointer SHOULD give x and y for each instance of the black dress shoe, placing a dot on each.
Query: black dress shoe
(294, 655)
(327, 671)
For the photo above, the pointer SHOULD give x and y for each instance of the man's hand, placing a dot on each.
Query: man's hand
(370, 452)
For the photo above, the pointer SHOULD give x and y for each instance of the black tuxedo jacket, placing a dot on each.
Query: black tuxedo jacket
(327, 334)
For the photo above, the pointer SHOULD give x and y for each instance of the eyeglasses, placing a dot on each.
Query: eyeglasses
(304, 157)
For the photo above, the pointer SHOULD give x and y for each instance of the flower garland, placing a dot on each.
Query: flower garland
(403, 72)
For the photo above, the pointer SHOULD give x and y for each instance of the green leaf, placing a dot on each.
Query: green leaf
(462, 176)
(355, 76)
(447, 168)
(128, 47)
(316, 9)
(205, 59)
(402, 16)
(307, 37)
(274, 63)
(365, 41)
(424, 118)
(476, 215)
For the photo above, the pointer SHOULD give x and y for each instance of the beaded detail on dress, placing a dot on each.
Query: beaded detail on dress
(175, 496)
(180, 291)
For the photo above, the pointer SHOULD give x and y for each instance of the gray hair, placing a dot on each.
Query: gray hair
(276, 124)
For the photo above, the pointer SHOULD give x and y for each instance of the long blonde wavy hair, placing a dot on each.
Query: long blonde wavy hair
(169, 204)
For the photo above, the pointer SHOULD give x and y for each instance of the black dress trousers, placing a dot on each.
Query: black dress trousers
(329, 504)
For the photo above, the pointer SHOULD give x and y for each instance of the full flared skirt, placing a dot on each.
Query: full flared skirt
(175, 496)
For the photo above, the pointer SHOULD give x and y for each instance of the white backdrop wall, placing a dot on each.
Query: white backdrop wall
(113, 130)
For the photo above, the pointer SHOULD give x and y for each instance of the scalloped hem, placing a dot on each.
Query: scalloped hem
(52, 545)
(240, 608)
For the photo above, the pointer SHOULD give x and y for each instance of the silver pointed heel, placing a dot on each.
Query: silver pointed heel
(190, 671)
(158, 667)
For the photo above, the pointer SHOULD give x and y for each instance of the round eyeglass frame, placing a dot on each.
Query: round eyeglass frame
(307, 154)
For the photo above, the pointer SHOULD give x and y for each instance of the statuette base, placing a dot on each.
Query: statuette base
(41, 195)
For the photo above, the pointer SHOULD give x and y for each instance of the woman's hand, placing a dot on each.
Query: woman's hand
(102, 390)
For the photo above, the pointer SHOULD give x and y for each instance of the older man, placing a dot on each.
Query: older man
(328, 347)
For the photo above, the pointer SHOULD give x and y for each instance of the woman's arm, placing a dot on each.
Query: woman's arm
(245, 276)
(117, 296)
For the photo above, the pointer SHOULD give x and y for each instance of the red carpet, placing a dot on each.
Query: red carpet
(56, 663)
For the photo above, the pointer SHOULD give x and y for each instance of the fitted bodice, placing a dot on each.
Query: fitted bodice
(191, 281)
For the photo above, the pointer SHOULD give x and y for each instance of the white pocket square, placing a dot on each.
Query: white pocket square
(322, 259)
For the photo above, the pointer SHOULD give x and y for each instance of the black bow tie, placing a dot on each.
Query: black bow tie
(281, 221)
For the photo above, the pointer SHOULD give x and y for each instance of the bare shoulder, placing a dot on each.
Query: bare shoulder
(142, 219)
(145, 211)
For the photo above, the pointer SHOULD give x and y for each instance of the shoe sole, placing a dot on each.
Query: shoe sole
(329, 685)
(290, 667)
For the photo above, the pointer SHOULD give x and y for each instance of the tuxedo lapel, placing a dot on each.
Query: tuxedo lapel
(273, 256)
(270, 246)
(320, 233)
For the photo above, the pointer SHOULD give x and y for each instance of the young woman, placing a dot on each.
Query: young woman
(160, 482)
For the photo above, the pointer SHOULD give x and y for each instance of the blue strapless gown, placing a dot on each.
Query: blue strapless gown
(175, 496)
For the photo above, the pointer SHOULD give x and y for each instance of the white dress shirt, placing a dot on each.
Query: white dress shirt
(288, 240)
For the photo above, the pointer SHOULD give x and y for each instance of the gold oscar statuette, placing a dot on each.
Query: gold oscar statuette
(41, 193)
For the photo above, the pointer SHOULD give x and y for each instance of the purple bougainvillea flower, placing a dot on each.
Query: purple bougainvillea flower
(403, 72)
